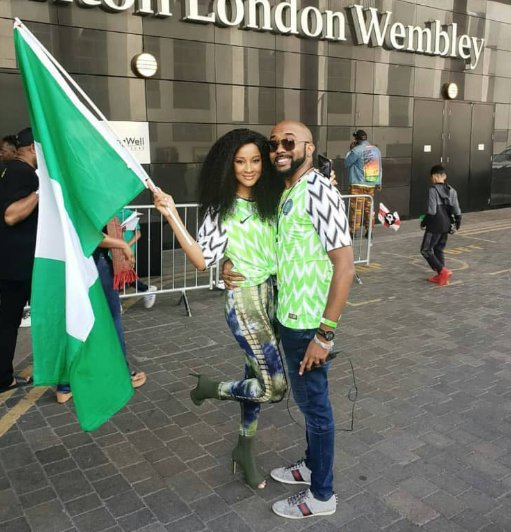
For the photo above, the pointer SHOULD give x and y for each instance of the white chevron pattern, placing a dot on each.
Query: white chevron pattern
(242, 237)
(212, 238)
(315, 224)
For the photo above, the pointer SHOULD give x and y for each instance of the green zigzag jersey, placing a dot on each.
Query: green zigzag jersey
(242, 237)
(311, 222)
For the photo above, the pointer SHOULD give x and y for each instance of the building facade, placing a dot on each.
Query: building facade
(428, 80)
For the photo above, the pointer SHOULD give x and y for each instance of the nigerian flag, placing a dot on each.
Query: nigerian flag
(85, 178)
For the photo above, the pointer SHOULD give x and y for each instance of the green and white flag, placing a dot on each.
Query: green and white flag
(85, 178)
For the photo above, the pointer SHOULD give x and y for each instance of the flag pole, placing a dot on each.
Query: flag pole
(153, 188)
(149, 183)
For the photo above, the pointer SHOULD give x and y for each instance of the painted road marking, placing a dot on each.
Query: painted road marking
(4, 396)
(500, 271)
(24, 373)
(363, 303)
(455, 283)
(367, 267)
(476, 238)
(470, 232)
(460, 250)
(21, 408)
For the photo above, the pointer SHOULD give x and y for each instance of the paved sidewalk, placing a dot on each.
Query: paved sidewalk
(431, 447)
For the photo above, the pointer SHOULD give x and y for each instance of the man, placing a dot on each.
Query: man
(315, 271)
(8, 153)
(19, 199)
(365, 175)
(8, 149)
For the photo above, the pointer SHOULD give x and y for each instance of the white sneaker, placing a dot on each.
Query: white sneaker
(150, 299)
(303, 505)
(297, 473)
(26, 321)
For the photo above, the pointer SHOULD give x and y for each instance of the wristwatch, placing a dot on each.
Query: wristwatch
(327, 335)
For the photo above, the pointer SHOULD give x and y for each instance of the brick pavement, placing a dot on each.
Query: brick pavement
(431, 449)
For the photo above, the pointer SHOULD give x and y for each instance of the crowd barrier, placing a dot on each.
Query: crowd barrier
(161, 264)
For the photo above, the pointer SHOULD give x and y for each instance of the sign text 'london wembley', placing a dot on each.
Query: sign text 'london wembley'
(371, 26)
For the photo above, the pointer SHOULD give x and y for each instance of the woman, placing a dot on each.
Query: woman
(238, 198)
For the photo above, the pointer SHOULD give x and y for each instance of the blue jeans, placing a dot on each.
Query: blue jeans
(106, 276)
(310, 392)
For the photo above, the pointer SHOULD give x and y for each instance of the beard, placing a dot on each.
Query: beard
(295, 164)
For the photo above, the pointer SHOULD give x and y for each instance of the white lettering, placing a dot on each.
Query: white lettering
(113, 7)
(333, 22)
(371, 27)
(236, 11)
(415, 40)
(477, 52)
(143, 8)
(256, 11)
(440, 36)
(397, 36)
(465, 47)
(453, 36)
(162, 8)
(284, 17)
(307, 15)
(88, 3)
(374, 31)
(192, 13)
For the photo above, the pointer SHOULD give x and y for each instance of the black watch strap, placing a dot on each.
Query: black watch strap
(327, 335)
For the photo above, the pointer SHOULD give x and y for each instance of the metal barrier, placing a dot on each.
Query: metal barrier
(160, 262)
(163, 266)
(360, 222)
(360, 212)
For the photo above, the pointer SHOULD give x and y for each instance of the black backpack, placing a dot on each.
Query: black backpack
(449, 209)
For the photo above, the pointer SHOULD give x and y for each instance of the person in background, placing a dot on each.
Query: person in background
(122, 255)
(8, 153)
(8, 148)
(19, 200)
(442, 212)
(131, 238)
(365, 176)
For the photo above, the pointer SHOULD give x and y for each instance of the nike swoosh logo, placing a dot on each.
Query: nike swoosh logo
(243, 221)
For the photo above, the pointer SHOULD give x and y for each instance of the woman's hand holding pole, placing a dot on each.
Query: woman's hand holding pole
(165, 204)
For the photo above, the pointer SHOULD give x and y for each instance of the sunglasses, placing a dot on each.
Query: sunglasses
(287, 144)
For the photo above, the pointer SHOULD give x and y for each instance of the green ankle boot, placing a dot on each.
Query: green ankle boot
(244, 456)
(205, 389)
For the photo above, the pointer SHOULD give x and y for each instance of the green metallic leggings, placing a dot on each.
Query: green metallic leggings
(250, 314)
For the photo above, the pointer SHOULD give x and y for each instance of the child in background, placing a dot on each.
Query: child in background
(130, 238)
(442, 211)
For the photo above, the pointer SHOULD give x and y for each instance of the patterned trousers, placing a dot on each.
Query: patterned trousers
(359, 205)
(250, 314)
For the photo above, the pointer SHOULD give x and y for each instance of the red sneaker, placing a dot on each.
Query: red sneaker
(444, 277)
(435, 279)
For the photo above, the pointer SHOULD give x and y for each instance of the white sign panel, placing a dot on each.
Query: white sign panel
(480, 147)
(427, 149)
(135, 137)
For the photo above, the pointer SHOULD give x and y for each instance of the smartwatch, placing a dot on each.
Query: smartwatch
(327, 335)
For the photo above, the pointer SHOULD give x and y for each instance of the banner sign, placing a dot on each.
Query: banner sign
(135, 137)
(371, 27)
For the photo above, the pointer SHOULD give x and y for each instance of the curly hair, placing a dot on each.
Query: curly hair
(217, 181)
